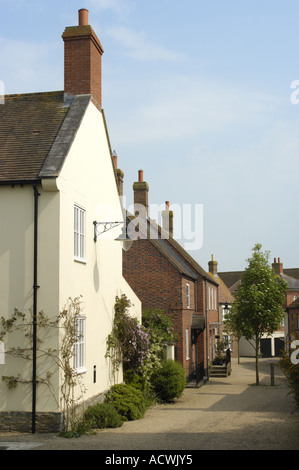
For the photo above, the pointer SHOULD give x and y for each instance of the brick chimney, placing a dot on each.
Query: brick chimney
(277, 266)
(140, 189)
(167, 219)
(213, 266)
(119, 175)
(83, 60)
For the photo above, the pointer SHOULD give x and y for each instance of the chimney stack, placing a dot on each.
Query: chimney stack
(83, 60)
(213, 266)
(167, 219)
(277, 266)
(140, 189)
(119, 175)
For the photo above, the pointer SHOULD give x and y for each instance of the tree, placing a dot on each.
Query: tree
(258, 307)
(231, 326)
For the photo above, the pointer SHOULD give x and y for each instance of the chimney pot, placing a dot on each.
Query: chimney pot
(83, 17)
(274, 260)
(167, 205)
(114, 155)
(278, 260)
(140, 176)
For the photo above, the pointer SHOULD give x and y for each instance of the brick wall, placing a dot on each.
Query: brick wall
(83, 63)
(158, 284)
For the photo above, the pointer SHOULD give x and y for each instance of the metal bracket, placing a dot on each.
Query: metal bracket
(105, 227)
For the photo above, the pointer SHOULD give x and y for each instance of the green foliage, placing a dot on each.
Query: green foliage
(258, 307)
(169, 381)
(128, 342)
(103, 415)
(127, 400)
(160, 324)
(291, 372)
(259, 298)
(159, 327)
(62, 358)
(135, 380)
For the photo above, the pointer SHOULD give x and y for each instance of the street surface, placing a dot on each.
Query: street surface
(225, 414)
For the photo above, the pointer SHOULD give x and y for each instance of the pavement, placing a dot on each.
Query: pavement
(229, 413)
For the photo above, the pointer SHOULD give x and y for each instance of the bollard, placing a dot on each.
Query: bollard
(272, 374)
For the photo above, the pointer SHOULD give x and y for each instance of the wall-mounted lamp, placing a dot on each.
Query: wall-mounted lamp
(102, 227)
(226, 309)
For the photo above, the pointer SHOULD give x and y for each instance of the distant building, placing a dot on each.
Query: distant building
(270, 345)
(164, 276)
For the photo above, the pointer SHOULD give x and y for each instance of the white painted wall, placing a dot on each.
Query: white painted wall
(16, 285)
(87, 178)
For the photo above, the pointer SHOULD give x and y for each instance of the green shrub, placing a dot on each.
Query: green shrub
(103, 415)
(169, 381)
(291, 372)
(137, 381)
(127, 400)
(134, 380)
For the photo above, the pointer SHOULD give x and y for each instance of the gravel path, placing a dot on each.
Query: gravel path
(226, 413)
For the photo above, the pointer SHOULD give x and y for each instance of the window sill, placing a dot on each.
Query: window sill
(79, 260)
(80, 371)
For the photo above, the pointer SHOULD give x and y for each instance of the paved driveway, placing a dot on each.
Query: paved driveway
(226, 413)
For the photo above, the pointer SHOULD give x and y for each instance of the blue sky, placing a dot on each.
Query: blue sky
(197, 94)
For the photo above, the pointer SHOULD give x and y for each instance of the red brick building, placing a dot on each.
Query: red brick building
(164, 276)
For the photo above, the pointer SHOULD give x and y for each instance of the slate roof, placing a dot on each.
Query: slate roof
(294, 304)
(232, 279)
(172, 250)
(36, 132)
(225, 295)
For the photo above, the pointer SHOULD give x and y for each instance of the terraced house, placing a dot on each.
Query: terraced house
(165, 276)
(58, 188)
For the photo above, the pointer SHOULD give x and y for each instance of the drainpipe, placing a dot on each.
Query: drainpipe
(207, 331)
(35, 288)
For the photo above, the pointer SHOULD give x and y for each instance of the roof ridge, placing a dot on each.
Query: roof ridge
(37, 94)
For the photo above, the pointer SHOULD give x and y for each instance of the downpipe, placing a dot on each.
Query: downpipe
(35, 289)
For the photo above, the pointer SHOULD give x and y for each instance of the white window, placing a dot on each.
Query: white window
(79, 345)
(2, 353)
(187, 344)
(79, 233)
(188, 295)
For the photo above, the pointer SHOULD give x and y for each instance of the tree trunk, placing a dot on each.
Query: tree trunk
(257, 360)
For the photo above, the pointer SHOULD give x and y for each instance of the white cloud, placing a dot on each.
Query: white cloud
(181, 107)
(140, 48)
(30, 66)
(117, 5)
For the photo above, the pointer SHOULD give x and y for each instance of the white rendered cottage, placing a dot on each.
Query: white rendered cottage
(56, 179)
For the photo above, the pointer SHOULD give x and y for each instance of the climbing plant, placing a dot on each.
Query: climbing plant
(64, 324)
(128, 342)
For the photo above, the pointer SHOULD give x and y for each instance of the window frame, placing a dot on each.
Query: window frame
(187, 345)
(79, 356)
(188, 296)
(79, 233)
